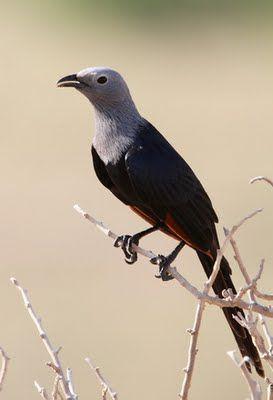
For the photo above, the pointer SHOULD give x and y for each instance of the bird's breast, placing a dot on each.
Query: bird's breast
(119, 176)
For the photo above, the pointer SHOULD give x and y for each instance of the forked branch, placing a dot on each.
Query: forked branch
(106, 388)
(53, 353)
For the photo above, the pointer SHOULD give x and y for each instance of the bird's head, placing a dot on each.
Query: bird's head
(103, 86)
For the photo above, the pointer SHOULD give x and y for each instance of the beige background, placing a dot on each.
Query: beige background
(208, 87)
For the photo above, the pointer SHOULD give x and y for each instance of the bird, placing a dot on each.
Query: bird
(133, 160)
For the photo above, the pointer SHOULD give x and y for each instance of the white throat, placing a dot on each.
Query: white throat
(114, 134)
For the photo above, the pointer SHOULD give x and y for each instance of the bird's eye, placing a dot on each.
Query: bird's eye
(102, 80)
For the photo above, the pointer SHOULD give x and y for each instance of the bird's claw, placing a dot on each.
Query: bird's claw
(163, 263)
(126, 242)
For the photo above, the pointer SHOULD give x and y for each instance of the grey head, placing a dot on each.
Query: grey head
(116, 116)
(104, 87)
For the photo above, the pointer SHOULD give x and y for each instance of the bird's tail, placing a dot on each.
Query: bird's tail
(241, 334)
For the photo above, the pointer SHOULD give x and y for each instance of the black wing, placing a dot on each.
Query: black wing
(166, 184)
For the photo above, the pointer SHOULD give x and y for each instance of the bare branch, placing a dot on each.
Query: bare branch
(203, 297)
(267, 334)
(253, 283)
(249, 321)
(4, 367)
(70, 383)
(270, 391)
(214, 300)
(219, 302)
(41, 390)
(55, 391)
(200, 308)
(109, 233)
(238, 258)
(261, 178)
(106, 388)
(264, 296)
(194, 332)
(50, 349)
(254, 387)
(64, 380)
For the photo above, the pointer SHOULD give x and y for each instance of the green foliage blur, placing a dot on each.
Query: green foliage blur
(156, 9)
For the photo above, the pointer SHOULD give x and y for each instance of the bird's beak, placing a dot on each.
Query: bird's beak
(69, 81)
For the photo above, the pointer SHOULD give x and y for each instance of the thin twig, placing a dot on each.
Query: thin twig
(194, 332)
(4, 367)
(106, 388)
(254, 387)
(264, 296)
(261, 178)
(249, 322)
(270, 391)
(267, 334)
(55, 391)
(241, 265)
(70, 383)
(41, 390)
(45, 339)
(253, 283)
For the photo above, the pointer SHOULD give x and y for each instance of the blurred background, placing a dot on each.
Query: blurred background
(201, 71)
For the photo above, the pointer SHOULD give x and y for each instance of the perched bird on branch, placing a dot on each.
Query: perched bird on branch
(140, 167)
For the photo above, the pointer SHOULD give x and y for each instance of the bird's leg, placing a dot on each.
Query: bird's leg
(164, 262)
(126, 243)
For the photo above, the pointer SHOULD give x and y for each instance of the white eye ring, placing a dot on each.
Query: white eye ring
(102, 79)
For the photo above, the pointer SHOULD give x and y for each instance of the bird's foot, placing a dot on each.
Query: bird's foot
(163, 263)
(126, 243)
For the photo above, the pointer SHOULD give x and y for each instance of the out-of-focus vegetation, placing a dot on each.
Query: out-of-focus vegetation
(158, 9)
